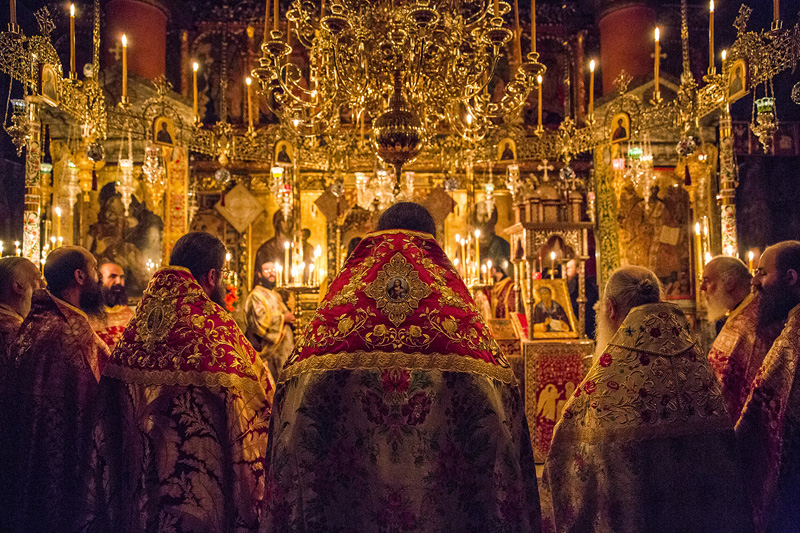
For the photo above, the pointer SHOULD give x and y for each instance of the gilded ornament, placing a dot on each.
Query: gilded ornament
(397, 290)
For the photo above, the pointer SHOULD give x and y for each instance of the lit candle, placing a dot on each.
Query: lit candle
(490, 278)
(60, 242)
(72, 40)
(711, 36)
(724, 58)
(266, 22)
(52, 243)
(776, 10)
(13, 12)
(195, 66)
(58, 222)
(539, 115)
(1, 249)
(124, 67)
(552, 265)
(698, 249)
(657, 92)
(275, 15)
(750, 256)
(311, 274)
(249, 82)
(484, 277)
(477, 254)
(16, 245)
(464, 256)
(496, 10)
(591, 87)
(707, 257)
(286, 260)
(279, 277)
(533, 26)
(517, 34)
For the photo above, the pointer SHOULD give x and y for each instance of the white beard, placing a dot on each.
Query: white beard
(604, 332)
(715, 307)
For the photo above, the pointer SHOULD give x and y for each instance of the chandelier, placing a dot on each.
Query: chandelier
(418, 68)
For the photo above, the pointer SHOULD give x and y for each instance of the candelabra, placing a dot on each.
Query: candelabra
(435, 60)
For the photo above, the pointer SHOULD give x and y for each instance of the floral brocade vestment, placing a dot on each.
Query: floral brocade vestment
(396, 410)
(53, 383)
(645, 443)
(184, 406)
(768, 432)
(738, 351)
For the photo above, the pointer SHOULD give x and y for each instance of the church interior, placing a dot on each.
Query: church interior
(553, 141)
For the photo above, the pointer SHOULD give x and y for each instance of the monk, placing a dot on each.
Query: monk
(768, 430)
(58, 360)
(397, 411)
(184, 408)
(501, 295)
(740, 346)
(645, 443)
(116, 313)
(19, 277)
(269, 320)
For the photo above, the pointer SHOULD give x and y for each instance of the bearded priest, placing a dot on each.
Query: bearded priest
(645, 442)
(57, 359)
(184, 409)
(396, 410)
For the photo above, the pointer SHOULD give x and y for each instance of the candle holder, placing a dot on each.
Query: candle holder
(14, 30)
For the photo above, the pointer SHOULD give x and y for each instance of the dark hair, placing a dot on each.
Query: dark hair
(351, 246)
(409, 216)
(59, 270)
(199, 252)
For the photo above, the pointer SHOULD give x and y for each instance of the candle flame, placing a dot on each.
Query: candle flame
(697, 228)
(195, 66)
(58, 211)
(539, 79)
(72, 10)
(248, 81)
(591, 66)
(477, 234)
(552, 256)
(124, 40)
(286, 244)
(750, 255)
(724, 55)
(658, 34)
(711, 6)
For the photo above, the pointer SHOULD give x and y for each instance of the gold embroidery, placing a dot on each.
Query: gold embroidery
(183, 378)
(363, 360)
(397, 290)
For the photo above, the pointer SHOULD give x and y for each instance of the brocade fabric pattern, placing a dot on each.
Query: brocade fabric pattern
(183, 420)
(58, 359)
(111, 328)
(738, 352)
(769, 434)
(645, 443)
(397, 411)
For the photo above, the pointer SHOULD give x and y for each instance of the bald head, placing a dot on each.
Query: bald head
(726, 282)
(19, 277)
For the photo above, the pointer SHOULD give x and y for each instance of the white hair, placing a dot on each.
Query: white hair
(632, 286)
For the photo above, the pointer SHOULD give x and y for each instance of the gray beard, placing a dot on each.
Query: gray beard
(715, 309)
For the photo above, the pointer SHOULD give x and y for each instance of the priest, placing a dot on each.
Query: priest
(19, 277)
(397, 411)
(269, 321)
(740, 346)
(58, 360)
(768, 430)
(116, 313)
(645, 443)
(502, 298)
(184, 409)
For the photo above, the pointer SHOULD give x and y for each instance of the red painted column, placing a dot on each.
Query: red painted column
(626, 40)
(145, 24)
